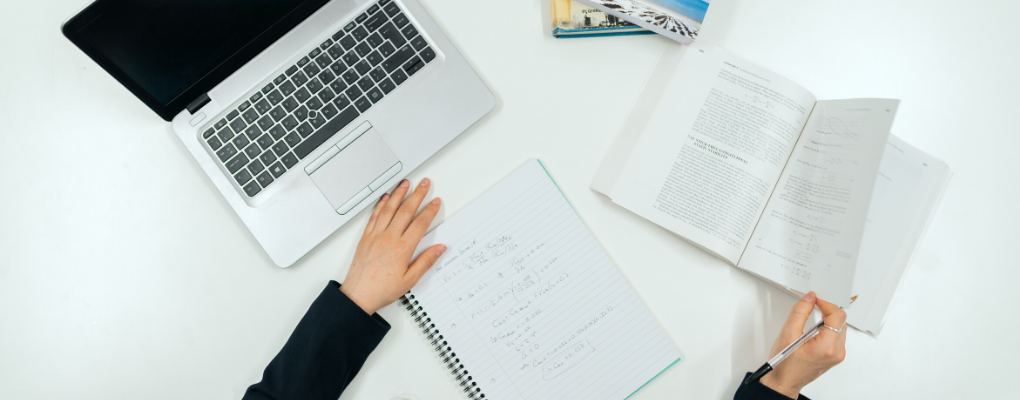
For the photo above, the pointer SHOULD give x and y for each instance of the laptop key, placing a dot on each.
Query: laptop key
(428, 54)
(327, 131)
(348, 42)
(361, 18)
(289, 160)
(280, 79)
(398, 76)
(277, 113)
(274, 97)
(208, 132)
(359, 33)
(214, 143)
(314, 85)
(326, 77)
(302, 95)
(350, 76)
(238, 125)
(292, 139)
(353, 92)
(335, 51)
(277, 169)
(341, 101)
(350, 26)
(387, 86)
(299, 78)
(362, 67)
(375, 58)
(338, 86)
(418, 43)
(338, 67)
(252, 150)
(267, 88)
(253, 132)
(264, 141)
(266, 122)
(225, 134)
(389, 31)
(314, 53)
(302, 62)
(413, 65)
(362, 49)
(250, 116)
(290, 104)
(277, 132)
(240, 141)
(323, 61)
(255, 166)
(233, 114)
(221, 123)
(255, 97)
(264, 179)
(244, 106)
(301, 113)
(400, 20)
(280, 148)
(329, 111)
(362, 104)
(398, 58)
(339, 34)
(226, 152)
(391, 9)
(409, 31)
(375, 21)
(372, 9)
(387, 49)
(325, 44)
(267, 157)
(375, 95)
(289, 123)
(304, 130)
(242, 177)
(313, 104)
(366, 83)
(290, 71)
(326, 95)
(374, 40)
(317, 121)
(287, 88)
(252, 189)
(262, 106)
(236, 163)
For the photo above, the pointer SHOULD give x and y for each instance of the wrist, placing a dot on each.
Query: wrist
(774, 382)
(360, 302)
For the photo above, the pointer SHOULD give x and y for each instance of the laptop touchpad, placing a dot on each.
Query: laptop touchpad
(350, 171)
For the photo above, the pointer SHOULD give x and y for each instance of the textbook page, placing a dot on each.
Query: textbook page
(810, 233)
(531, 304)
(713, 149)
(907, 191)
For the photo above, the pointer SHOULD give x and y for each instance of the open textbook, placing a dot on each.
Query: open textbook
(806, 194)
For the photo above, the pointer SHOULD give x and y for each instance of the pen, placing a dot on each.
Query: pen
(783, 354)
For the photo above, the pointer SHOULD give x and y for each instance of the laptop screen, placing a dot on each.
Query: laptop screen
(166, 47)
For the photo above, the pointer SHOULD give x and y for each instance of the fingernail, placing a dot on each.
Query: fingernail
(424, 182)
(810, 297)
(436, 200)
(440, 250)
(405, 183)
(385, 196)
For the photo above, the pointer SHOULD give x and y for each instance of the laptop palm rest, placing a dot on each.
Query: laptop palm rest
(354, 168)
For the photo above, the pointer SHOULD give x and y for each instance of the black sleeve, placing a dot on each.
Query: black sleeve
(757, 391)
(325, 352)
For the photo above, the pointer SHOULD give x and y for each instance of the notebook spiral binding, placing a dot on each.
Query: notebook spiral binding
(442, 347)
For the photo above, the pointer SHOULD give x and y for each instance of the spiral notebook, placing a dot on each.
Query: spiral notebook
(525, 304)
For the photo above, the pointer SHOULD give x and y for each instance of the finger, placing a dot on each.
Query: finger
(799, 315)
(425, 261)
(375, 213)
(834, 317)
(406, 211)
(391, 205)
(421, 223)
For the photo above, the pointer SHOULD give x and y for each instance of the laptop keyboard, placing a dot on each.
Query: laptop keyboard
(311, 101)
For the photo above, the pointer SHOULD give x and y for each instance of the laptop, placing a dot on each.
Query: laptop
(301, 112)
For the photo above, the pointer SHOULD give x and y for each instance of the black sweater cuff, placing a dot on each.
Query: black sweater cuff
(325, 351)
(757, 391)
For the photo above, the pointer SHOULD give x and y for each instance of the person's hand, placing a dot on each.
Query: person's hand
(382, 270)
(815, 356)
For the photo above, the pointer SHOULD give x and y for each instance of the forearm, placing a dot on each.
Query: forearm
(325, 351)
(758, 391)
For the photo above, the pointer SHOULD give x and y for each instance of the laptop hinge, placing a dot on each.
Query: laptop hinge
(198, 103)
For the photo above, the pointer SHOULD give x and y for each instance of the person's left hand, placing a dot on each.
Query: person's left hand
(382, 270)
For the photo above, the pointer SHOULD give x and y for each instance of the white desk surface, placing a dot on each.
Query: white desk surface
(125, 275)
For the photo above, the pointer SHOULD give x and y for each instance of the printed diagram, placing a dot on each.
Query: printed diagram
(836, 126)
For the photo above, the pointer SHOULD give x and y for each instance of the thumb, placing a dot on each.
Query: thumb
(425, 261)
(799, 315)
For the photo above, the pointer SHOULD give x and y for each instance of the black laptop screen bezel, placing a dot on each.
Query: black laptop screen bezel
(72, 29)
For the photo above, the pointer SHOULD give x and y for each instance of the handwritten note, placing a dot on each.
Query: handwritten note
(531, 305)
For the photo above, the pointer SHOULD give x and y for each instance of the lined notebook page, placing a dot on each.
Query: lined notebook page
(531, 305)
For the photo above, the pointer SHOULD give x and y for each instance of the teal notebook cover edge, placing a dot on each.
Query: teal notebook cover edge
(575, 212)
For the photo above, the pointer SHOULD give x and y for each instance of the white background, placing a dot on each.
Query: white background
(125, 275)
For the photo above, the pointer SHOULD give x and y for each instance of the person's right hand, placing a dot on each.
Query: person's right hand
(815, 356)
